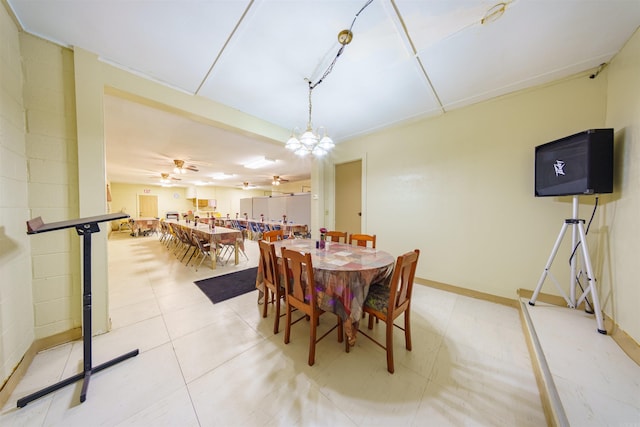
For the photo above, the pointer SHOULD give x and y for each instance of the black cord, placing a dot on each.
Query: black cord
(359, 12)
(593, 213)
(575, 249)
(330, 67)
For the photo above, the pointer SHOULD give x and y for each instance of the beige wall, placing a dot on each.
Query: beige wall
(16, 301)
(181, 199)
(620, 238)
(53, 183)
(460, 188)
(292, 187)
(39, 294)
(125, 196)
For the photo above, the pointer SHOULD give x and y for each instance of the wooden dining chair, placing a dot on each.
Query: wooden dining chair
(273, 235)
(363, 239)
(301, 294)
(273, 290)
(336, 236)
(388, 302)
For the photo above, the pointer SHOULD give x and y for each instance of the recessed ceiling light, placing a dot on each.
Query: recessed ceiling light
(222, 175)
(259, 163)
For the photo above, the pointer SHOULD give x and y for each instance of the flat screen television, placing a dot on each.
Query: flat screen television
(575, 165)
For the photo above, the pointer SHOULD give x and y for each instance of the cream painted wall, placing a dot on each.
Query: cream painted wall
(460, 186)
(38, 173)
(92, 183)
(125, 196)
(227, 198)
(621, 232)
(53, 183)
(16, 300)
(292, 187)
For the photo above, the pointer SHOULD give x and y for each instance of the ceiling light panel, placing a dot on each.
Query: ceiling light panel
(259, 163)
(481, 48)
(239, 82)
(209, 24)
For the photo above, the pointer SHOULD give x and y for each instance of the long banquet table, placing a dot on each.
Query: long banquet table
(216, 236)
(343, 274)
(143, 225)
(255, 227)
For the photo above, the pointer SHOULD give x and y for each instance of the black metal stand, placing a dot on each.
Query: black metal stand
(84, 227)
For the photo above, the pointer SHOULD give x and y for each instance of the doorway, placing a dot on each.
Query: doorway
(147, 206)
(349, 196)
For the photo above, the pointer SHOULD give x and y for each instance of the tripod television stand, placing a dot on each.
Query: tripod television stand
(578, 232)
(84, 227)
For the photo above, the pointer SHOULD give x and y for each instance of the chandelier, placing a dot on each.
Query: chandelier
(318, 143)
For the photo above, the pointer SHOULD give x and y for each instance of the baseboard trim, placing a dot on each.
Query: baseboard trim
(467, 292)
(36, 346)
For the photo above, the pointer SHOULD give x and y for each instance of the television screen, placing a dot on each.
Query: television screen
(575, 165)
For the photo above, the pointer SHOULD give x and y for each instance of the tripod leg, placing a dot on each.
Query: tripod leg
(554, 251)
(592, 280)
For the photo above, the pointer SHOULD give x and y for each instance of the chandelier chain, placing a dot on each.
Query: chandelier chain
(309, 122)
(314, 142)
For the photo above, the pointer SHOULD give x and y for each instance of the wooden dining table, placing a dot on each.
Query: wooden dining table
(343, 274)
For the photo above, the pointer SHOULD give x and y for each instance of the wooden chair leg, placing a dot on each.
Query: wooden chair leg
(287, 329)
(389, 331)
(276, 322)
(312, 341)
(407, 330)
(266, 301)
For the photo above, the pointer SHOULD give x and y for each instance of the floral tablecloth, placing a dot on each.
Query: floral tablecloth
(343, 274)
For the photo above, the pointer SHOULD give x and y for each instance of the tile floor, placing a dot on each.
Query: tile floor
(598, 384)
(221, 365)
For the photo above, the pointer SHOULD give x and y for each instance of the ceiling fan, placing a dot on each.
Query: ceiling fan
(246, 186)
(277, 180)
(165, 178)
(180, 167)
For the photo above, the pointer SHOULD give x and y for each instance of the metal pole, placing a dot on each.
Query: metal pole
(573, 263)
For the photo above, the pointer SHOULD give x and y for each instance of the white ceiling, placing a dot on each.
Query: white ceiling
(408, 59)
